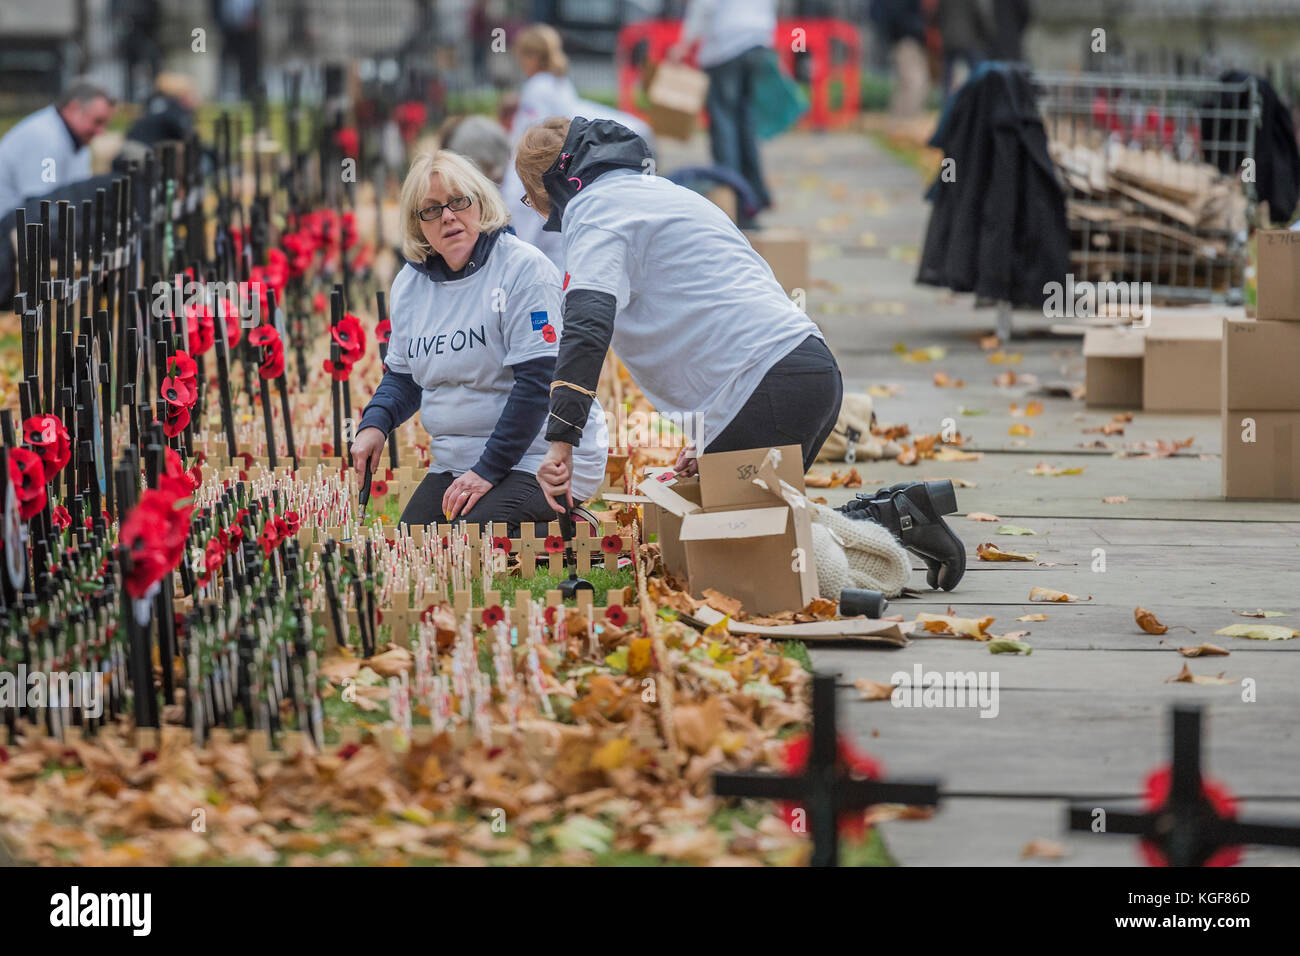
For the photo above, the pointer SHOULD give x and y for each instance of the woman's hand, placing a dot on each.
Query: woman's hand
(367, 450)
(555, 475)
(688, 462)
(463, 494)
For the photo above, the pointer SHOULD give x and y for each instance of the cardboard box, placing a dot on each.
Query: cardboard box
(1181, 367)
(786, 251)
(1267, 466)
(724, 197)
(1260, 365)
(1114, 367)
(1278, 275)
(676, 93)
(741, 538)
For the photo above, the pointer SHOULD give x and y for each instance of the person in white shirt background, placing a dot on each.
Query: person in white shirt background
(734, 38)
(547, 91)
(475, 329)
(51, 147)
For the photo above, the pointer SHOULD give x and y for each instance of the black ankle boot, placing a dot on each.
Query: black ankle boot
(913, 511)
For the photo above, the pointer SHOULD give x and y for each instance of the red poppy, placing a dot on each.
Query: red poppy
(172, 463)
(230, 312)
(549, 614)
(348, 140)
(234, 535)
(154, 533)
(179, 391)
(502, 543)
(214, 555)
(379, 486)
(349, 230)
(410, 117)
(281, 528)
(199, 322)
(277, 270)
(554, 544)
(272, 365)
(611, 543)
(319, 303)
(301, 249)
(182, 366)
(384, 330)
(616, 615)
(1158, 785)
(264, 335)
(48, 438)
(178, 417)
(795, 758)
(268, 539)
(292, 521)
(493, 615)
(351, 337)
(548, 332)
(60, 518)
(340, 372)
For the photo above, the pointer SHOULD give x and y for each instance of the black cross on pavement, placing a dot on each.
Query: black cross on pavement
(1187, 829)
(825, 787)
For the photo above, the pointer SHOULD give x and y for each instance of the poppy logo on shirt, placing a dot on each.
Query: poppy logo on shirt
(542, 323)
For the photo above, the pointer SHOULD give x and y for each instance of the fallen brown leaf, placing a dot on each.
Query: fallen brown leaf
(1115, 500)
(1203, 650)
(873, 690)
(1185, 676)
(991, 552)
(982, 516)
(1032, 617)
(1040, 593)
(1042, 849)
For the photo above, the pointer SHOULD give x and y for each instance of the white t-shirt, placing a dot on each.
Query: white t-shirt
(458, 339)
(701, 318)
(727, 28)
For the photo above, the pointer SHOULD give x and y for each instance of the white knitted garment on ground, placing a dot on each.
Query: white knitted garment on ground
(852, 553)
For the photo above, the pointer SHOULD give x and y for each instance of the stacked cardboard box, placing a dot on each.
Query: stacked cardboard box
(1260, 387)
(786, 251)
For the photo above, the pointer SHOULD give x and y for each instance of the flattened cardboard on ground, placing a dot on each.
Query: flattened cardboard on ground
(1267, 467)
(1113, 359)
(676, 93)
(886, 633)
(725, 532)
(1277, 273)
(786, 251)
(1181, 366)
(1260, 364)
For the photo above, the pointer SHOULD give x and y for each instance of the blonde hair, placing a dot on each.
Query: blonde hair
(460, 177)
(542, 43)
(538, 150)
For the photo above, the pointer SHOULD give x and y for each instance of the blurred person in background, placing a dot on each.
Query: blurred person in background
(480, 139)
(966, 31)
(733, 37)
(51, 147)
(168, 115)
(241, 52)
(901, 26)
(547, 91)
(137, 22)
(1010, 19)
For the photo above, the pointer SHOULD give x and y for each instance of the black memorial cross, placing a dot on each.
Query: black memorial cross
(1186, 828)
(825, 788)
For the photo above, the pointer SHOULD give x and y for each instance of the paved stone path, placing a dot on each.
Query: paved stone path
(1086, 715)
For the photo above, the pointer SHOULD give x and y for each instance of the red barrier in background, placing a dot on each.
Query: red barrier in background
(834, 46)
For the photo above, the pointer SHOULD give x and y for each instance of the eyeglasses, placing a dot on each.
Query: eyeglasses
(526, 201)
(434, 212)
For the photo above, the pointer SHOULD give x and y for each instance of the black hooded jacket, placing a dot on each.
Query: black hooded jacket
(592, 148)
(998, 227)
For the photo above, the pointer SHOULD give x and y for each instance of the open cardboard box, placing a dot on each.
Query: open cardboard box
(748, 539)
(1114, 367)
